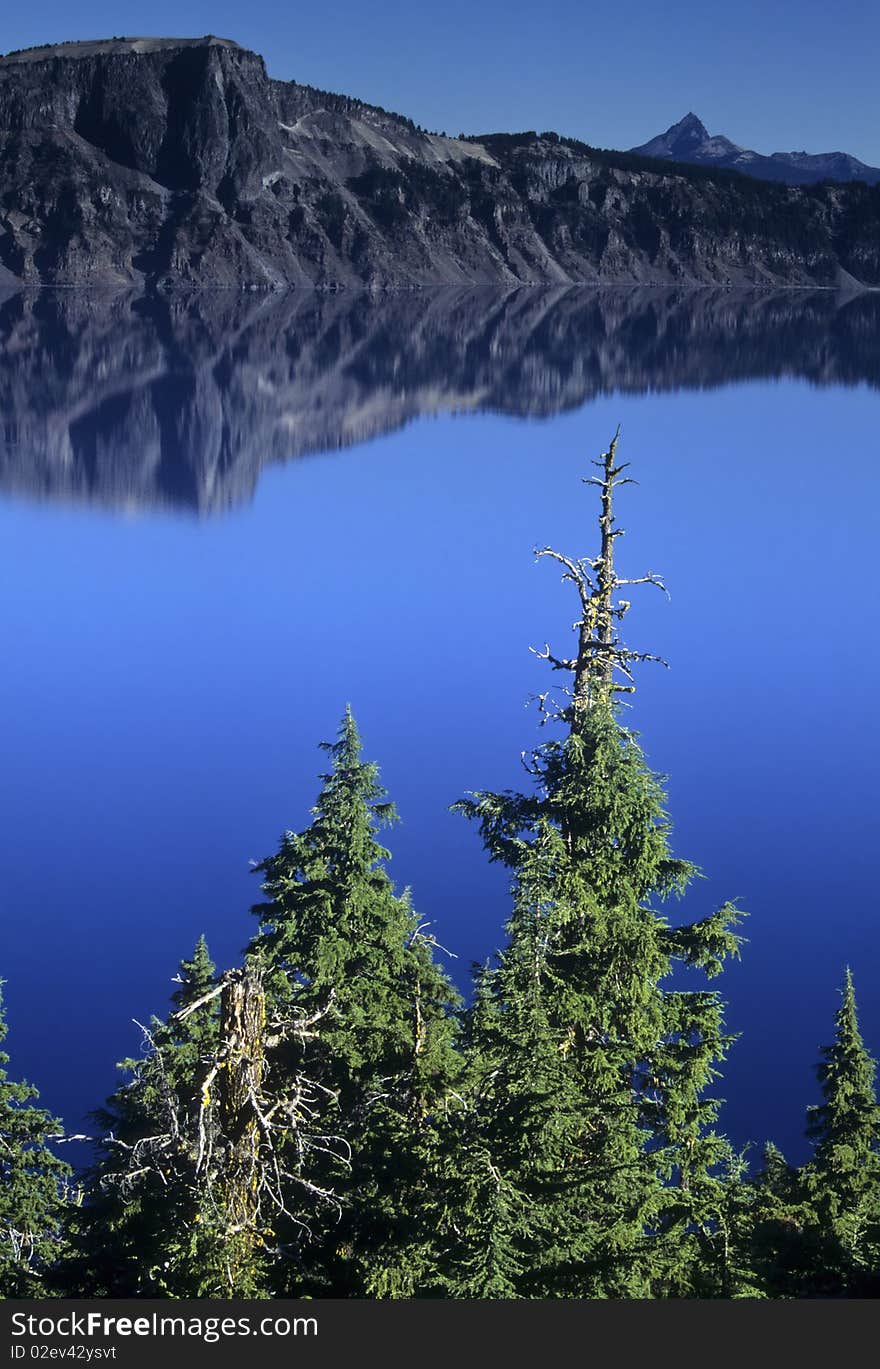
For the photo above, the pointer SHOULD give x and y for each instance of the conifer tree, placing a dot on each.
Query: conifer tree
(134, 1234)
(630, 1202)
(843, 1179)
(190, 1040)
(33, 1187)
(335, 940)
(788, 1253)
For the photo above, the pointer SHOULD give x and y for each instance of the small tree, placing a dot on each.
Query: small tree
(33, 1187)
(788, 1252)
(843, 1180)
(333, 933)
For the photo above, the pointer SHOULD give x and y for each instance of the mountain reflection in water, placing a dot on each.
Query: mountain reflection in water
(178, 401)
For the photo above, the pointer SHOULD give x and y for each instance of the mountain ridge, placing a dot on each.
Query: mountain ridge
(178, 163)
(92, 47)
(690, 141)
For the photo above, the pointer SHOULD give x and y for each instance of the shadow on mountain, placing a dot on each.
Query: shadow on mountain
(139, 402)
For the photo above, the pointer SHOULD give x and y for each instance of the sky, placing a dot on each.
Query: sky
(792, 75)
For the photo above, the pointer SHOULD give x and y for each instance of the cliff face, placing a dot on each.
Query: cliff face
(180, 400)
(120, 161)
(180, 162)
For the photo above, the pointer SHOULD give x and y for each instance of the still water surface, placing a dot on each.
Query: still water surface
(223, 518)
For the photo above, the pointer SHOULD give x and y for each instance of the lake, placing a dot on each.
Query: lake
(225, 516)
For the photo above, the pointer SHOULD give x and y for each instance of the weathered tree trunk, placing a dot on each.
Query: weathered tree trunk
(243, 1048)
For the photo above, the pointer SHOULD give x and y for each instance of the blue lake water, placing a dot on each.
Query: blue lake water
(223, 518)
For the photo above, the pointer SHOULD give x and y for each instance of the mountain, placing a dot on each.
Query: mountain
(179, 162)
(180, 400)
(690, 141)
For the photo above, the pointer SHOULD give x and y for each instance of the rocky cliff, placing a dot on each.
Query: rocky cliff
(181, 400)
(180, 162)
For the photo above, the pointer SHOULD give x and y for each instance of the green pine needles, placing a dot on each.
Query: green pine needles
(815, 1231)
(33, 1188)
(842, 1184)
(326, 1119)
(341, 946)
(138, 1234)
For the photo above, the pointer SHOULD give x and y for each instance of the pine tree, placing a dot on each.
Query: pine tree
(635, 1185)
(187, 1043)
(33, 1187)
(337, 943)
(843, 1179)
(788, 1252)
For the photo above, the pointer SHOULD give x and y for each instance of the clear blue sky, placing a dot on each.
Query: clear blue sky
(791, 75)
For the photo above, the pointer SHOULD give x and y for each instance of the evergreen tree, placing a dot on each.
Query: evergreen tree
(33, 1183)
(843, 1180)
(137, 1232)
(790, 1255)
(634, 1179)
(188, 1042)
(338, 945)
(724, 1264)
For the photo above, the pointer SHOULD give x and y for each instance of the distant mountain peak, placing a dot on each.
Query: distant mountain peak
(690, 141)
(679, 140)
(690, 126)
